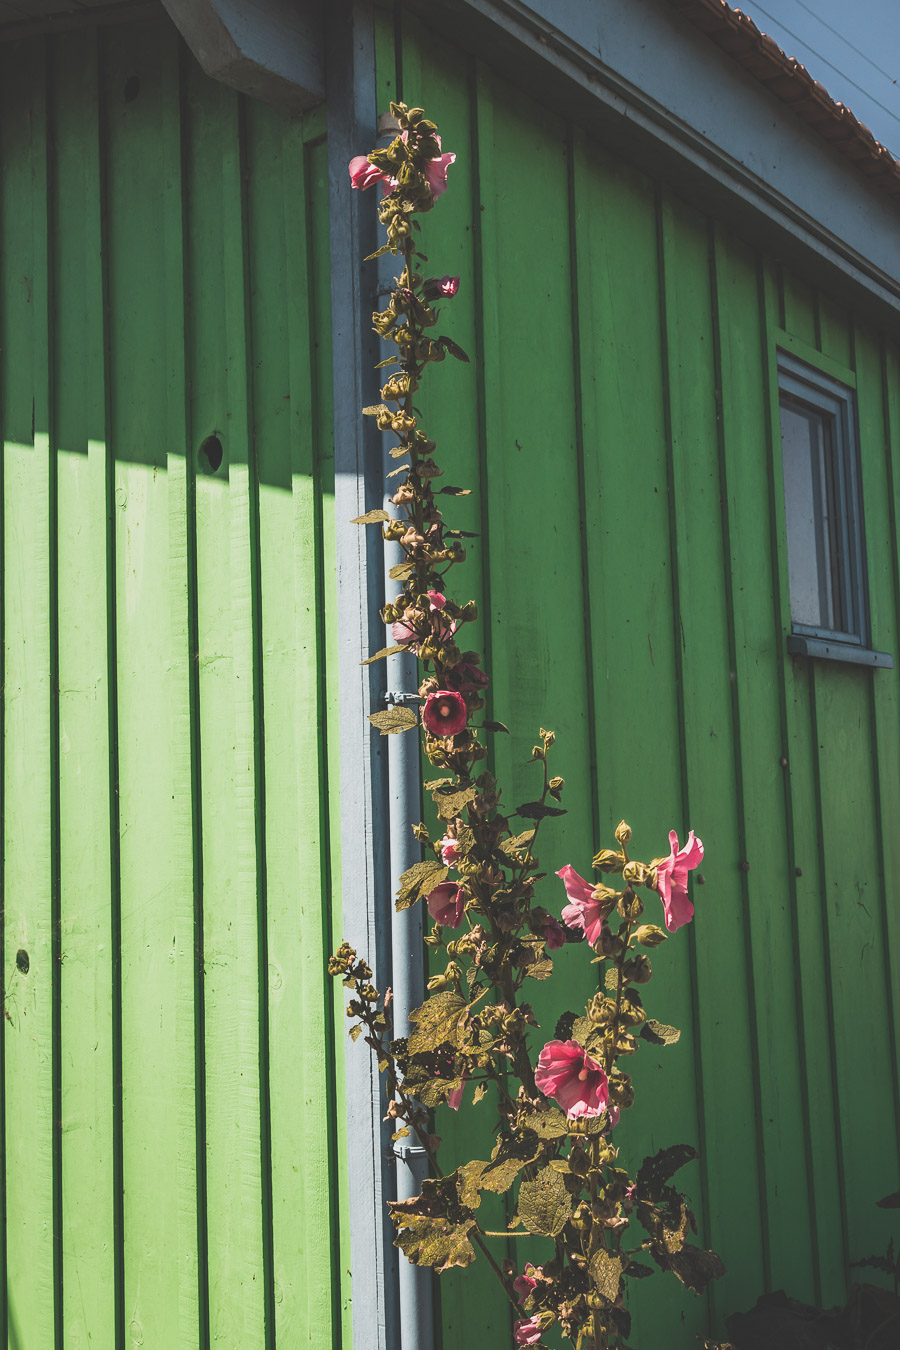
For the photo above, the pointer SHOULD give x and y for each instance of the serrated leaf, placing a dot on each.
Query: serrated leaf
(606, 1274)
(695, 1267)
(496, 726)
(889, 1201)
(451, 801)
(354, 1032)
(404, 468)
(468, 1183)
(385, 651)
(449, 491)
(375, 408)
(379, 253)
(400, 571)
(517, 842)
(453, 348)
(544, 1205)
(479, 1094)
(538, 810)
(392, 720)
(585, 1033)
(657, 1033)
(549, 1124)
(438, 1022)
(423, 1083)
(418, 880)
(388, 361)
(371, 517)
(659, 1168)
(611, 979)
(540, 970)
(400, 1134)
(637, 1271)
(509, 1157)
(425, 1230)
(397, 450)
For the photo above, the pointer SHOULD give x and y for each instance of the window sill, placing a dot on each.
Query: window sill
(826, 650)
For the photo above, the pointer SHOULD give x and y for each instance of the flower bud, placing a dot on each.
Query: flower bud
(608, 860)
(623, 833)
(636, 873)
(638, 970)
(648, 935)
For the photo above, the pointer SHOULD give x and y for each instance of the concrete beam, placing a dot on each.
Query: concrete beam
(270, 49)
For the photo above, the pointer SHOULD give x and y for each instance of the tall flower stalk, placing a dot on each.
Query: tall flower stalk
(475, 1034)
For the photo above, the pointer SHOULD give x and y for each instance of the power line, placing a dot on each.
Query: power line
(838, 34)
(824, 59)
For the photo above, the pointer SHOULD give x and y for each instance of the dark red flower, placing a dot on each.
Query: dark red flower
(445, 713)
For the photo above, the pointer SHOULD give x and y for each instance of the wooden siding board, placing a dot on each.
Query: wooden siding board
(623, 433)
(802, 806)
(725, 1033)
(88, 1237)
(153, 675)
(30, 840)
(749, 582)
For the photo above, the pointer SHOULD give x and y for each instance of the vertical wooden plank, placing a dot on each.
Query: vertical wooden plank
(30, 860)
(153, 681)
(625, 477)
(758, 661)
(88, 1101)
(226, 638)
(726, 1043)
(804, 831)
(869, 1179)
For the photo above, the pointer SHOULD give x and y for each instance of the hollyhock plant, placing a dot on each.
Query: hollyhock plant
(527, 1330)
(446, 904)
(567, 1072)
(585, 912)
(671, 879)
(554, 1158)
(445, 713)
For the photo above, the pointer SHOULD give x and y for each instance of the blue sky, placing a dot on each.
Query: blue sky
(852, 47)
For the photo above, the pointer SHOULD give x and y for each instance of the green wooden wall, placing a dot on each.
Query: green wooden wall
(171, 1140)
(618, 424)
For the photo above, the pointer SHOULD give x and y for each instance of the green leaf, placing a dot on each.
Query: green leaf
(449, 491)
(375, 408)
(636, 1271)
(606, 1274)
(400, 571)
(379, 252)
(385, 651)
(496, 726)
(468, 1183)
(371, 518)
(404, 468)
(537, 811)
(479, 1094)
(549, 1124)
(418, 880)
(453, 348)
(586, 1033)
(397, 450)
(544, 1204)
(433, 1228)
(656, 1170)
(657, 1033)
(394, 719)
(450, 801)
(518, 841)
(507, 1161)
(354, 1032)
(439, 1021)
(540, 970)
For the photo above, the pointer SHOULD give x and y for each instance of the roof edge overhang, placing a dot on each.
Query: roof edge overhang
(652, 87)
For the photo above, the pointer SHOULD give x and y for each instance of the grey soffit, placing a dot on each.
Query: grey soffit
(652, 87)
(22, 18)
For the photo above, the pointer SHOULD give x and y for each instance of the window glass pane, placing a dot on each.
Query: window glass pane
(809, 515)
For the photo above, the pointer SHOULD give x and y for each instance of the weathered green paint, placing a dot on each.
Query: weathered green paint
(172, 1152)
(619, 427)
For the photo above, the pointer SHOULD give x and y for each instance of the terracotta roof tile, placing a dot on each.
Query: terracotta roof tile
(792, 83)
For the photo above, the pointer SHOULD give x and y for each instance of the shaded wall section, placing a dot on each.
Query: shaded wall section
(171, 1140)
(618, 425)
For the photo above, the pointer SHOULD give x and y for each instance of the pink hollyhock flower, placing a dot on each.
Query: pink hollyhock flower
(523, 1284)
(363, 174)
(446, 904)
(671, 879)
(554, 934)
(445, 713)
(436, 600)
(527, 1330)
(566, 1071)
(436, 172)
(584, 913)
(440, 288)
(454, 1098)
(404, 634)
(449, 850)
